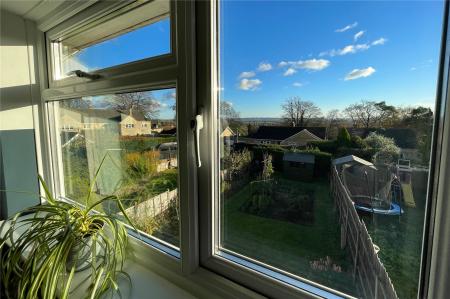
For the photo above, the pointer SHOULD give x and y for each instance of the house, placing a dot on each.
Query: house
(134, 123)
(128, 123)
(298, 166)
(285, 136)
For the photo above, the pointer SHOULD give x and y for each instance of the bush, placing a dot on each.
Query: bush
(343, 138)
(329, 146)
(142, 164)
(276, 151)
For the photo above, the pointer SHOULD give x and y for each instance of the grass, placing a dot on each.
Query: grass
(288, 246)
(400, 240)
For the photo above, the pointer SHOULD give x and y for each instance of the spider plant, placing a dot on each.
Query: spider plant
(60, 239)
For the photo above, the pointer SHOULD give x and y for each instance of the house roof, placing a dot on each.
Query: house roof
(282, 132)
(299, 157)
(100, 113)
(352, 158)
(137, 115)
(403, 137)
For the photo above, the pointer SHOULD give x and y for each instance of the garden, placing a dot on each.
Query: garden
(307, 245)
(136, 178)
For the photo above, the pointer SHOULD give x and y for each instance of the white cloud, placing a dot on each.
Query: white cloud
(348, 27)
(289, 72)
(312, 64)
(264, 67)
(247, 75)
(360, 73)
(413, 68)
(350, 49)
(380, 41)
(249, 84)
(358, 35)
(283, 63)
(297, 84)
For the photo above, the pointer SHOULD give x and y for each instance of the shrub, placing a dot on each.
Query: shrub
(385, 147)
(329, 146)
(276, 151)
(343, 138)
(142, 164)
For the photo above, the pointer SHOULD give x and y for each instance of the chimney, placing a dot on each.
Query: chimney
(131, 110)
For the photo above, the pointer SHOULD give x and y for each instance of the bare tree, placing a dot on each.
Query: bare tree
(387, 115)
(332, 122)
(143, 102)
(299, 112)
(363, 114)
(227, 111)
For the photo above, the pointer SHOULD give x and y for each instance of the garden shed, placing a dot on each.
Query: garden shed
(299, 166)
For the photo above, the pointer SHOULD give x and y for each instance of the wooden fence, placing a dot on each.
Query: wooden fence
(368, 271)
(153, 206)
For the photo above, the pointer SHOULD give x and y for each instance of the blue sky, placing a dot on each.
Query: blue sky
(391, 47)
(332, 53)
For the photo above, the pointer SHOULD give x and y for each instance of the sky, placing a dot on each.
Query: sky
(333, 53)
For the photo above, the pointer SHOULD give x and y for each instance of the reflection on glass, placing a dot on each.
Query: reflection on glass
(325, 138)
(138, 33)
(135, 134)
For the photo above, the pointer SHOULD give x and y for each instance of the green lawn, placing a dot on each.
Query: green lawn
(400, 240)
(286, 245)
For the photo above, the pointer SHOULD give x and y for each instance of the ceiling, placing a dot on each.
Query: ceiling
(33, 10)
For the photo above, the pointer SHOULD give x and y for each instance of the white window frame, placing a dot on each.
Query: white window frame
(264, 278)
(194, 80)
(172, 70)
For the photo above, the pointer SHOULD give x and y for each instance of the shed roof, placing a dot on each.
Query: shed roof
(352, 158)
(299, 157)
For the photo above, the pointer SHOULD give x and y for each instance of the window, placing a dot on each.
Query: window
(118, 106)
(104, 42)
(134, 169)
(332, 204)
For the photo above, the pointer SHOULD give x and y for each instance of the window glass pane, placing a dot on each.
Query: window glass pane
(326, 112)
(129, 35)
(135, 134)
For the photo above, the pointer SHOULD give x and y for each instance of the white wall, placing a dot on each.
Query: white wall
(18, 170)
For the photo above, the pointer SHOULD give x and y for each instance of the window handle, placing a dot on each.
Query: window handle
(82, 74)
(197, 125)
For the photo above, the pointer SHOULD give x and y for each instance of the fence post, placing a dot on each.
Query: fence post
(356, 253)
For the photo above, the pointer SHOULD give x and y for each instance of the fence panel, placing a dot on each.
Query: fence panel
(368, 271)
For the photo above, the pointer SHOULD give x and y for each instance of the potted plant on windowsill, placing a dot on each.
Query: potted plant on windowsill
(61, 239)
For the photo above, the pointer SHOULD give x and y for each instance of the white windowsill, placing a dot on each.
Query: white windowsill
(157, 275)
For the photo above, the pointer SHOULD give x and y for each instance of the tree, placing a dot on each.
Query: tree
(227, 111)
(387, 114)
(267, 167)
(238, 162)
(343, 138)
(332, 122)
(143, 102)
(364, 114)
(421, 119)
(77, 104)
(385, 147)
(298, 112)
